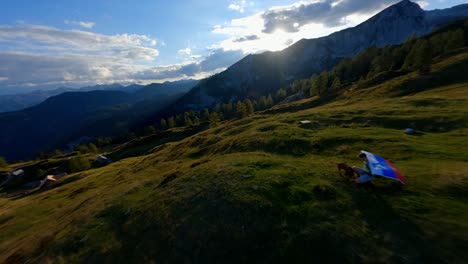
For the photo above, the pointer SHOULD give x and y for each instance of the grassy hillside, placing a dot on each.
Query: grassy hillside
(266, 189)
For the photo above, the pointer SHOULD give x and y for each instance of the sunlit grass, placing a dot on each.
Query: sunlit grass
(266, 189)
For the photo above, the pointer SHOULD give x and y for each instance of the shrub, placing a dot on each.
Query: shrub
(78, 163)
(3, 162)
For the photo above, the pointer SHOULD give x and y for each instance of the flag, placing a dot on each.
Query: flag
(382, 167)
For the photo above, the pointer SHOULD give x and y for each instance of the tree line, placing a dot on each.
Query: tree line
(220, 112)
(415, 54)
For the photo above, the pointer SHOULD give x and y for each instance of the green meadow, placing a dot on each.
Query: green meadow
(265, 188)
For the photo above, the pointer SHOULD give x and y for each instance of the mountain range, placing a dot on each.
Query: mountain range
(260, 74)
(69, 116)
(253, 76)
(263, 187)
(15, 102)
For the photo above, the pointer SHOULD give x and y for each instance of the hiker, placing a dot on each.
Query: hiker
(364, 173)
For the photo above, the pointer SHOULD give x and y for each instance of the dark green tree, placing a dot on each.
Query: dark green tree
(83, 149)
(241, 110)
(188, 122)
(321, 83)
(249, 106)
(163, 124)
(150, 130)
(78, 163)
(336, 83)
(438, 42)
(196, 121)
(281, 94)
(455, 40)
(398, 58)
(206, 114)
(171, 122)
(3, 162)
(56, 153)
(92, 148)
(214, 119)
(262, 102)
(313, 85)
(419, 58)
(269, 100)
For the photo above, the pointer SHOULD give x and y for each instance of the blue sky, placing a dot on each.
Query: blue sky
(48, 44)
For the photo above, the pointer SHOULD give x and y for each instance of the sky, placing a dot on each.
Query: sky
(53, 43)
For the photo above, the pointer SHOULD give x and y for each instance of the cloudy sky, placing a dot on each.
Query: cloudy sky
(53, 43)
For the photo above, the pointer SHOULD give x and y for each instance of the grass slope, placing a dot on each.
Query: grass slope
(266, 189)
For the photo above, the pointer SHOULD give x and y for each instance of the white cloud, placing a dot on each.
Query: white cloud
(35, 55)
(186, 51)
(422, 4)
(330, 13)
(280, 26)
(239, 5)
(53, 70)
(43, 56)
(44, 39)
(236, 7)
(85, 24)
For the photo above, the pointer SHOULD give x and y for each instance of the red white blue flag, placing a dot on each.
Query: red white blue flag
(382, 167)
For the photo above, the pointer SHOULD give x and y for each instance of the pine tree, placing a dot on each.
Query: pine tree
(187, 119)
(163, 124)
(455, 40)
(419, 58)
(227, 108)
(336, 83)
(131, 136)
(171, 122)
(249, 106)
(281, 94)
(3, 162)
(92, 148)
(57, 152)
(78, 163)
(206, 114)
(241, 110)
(179, 120)
(196, 121)
(424, 57)
(218, 108)
(214, 119)
(313, 85)
(150, 130)
(269, 100)
(398, 58)
(321, 84)
(262, 102)
(188, 122)
(83, 149)
(438, 43)
(220, 116)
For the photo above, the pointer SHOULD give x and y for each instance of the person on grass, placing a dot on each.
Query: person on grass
(365, 174)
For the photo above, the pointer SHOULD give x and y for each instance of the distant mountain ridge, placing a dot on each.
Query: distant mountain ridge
(259, 74)
(15, 102)
(71, 115)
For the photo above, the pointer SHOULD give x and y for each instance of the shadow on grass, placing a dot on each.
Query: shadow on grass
(398, 234)
(207, 227)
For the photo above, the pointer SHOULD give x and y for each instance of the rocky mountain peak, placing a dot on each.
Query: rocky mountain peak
(405, 8)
